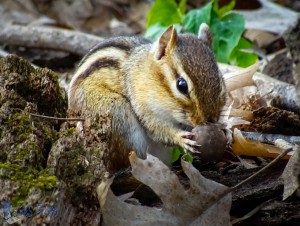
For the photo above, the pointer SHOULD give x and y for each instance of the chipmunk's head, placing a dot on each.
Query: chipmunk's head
(191, 80)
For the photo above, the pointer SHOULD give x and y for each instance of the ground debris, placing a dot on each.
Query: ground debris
(274, 120)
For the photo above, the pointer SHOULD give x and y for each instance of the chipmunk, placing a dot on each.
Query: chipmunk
(156, 92)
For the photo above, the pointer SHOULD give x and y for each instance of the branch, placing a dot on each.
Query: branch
(270, 138)
(284, 153)
(55, 118)
(48, 37)
(231, 189)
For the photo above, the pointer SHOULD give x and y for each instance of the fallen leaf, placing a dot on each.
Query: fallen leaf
(258, 88)
(239, 116)
(290, 178)
(237, 77)
(197, 205)
(244, 146)
(103, 189)
(260, 37)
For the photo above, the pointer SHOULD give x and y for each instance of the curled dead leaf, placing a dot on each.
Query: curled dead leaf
(236, 77)
(244, 146)
(197, 205)
(290, 176)
(243, 114)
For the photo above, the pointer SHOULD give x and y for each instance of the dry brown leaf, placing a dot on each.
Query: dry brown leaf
(243, 146)
(244, 114)
(236, 77)
(103, 189)
(260, 37)
(250, 90)
(291, 182)
(197, 205)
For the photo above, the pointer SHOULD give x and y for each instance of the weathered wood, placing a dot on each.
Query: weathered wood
(48, 37)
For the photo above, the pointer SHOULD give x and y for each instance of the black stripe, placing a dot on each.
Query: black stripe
(100, 63)
(115, 43)
(125, 44)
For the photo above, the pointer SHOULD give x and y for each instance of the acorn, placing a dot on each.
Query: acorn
(211, 140)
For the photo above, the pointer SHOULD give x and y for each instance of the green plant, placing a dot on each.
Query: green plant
(227, 27)
(177, 152)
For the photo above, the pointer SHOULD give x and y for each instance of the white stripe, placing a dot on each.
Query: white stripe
(112, 52)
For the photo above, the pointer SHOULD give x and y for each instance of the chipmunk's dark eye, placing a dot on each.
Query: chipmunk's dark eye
(182, 86)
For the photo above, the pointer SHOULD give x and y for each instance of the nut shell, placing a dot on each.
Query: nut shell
(212, 141)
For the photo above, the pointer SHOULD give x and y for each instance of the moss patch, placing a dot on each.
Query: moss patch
(26, 178)
(39, 86)
(24, 139)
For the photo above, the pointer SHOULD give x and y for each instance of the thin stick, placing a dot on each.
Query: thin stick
(54, 118)
(263, 169)
(228, 190)
(252, 212)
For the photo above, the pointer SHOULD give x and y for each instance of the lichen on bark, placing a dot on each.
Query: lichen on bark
(23, 90)
(46, 162)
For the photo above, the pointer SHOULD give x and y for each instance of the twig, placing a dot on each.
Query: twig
(262, 169)
(252, 212)
(270, 138)
(48, 37)
(231, 189)
(54, 118)
(50, 117)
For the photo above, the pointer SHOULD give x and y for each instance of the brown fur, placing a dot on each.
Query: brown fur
(137, 85)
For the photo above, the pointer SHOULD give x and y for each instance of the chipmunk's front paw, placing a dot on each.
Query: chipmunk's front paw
(185, 140)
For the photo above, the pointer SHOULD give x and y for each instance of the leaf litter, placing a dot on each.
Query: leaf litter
(197, 205)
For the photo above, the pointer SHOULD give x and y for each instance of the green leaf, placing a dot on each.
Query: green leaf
(176, 152)
(165, 12)
(227, 33)
(181, 7)
(156, 30)
(195, 17)
(225, 9)
(188, 157)
(240, 56)
(227, 27)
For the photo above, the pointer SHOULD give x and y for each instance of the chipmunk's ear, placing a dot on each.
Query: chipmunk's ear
(205, 34)
(166, 42)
